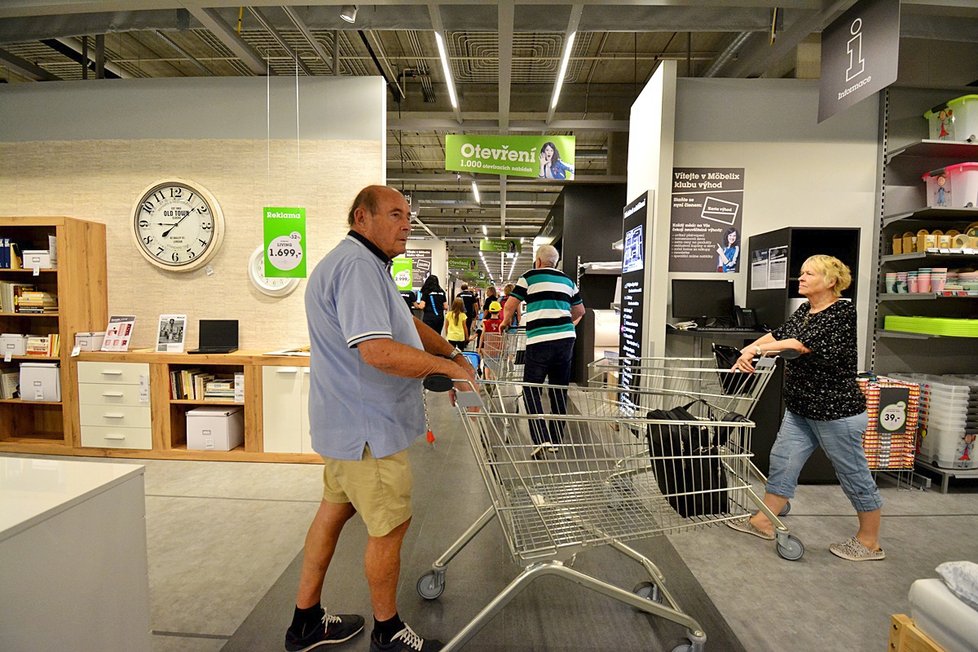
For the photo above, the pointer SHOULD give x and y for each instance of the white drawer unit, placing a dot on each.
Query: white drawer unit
(116, 437)
(114, 410)
(285, 410)
(116, 373)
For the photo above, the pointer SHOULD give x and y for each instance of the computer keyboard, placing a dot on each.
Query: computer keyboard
(730, 329)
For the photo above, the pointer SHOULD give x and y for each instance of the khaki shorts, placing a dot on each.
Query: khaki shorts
(379, 489)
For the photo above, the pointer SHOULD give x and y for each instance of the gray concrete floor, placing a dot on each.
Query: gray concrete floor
(222, 534)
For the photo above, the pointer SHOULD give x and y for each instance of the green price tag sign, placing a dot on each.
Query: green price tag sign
(403, 272)
(285, 241)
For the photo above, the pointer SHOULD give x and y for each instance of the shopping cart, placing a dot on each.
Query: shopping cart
(503, 360)
(612, 479)
(722, 392)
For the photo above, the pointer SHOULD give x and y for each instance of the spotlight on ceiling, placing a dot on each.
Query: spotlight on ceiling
(349, 13)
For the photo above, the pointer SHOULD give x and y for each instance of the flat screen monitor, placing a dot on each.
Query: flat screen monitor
(702, 299)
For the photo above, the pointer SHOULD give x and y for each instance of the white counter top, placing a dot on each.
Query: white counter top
(33, 490)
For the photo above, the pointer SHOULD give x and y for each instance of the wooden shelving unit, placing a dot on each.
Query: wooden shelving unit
(79, 281)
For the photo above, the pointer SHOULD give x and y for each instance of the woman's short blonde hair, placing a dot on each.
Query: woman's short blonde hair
(831, 269)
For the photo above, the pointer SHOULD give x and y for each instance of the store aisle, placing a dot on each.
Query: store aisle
(224, 539)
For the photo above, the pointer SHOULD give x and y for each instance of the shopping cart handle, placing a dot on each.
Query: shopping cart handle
(438, 383)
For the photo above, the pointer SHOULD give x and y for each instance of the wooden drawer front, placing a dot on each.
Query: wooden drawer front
(117, 437)
(116, 373)
(123, 416)
(109, 394)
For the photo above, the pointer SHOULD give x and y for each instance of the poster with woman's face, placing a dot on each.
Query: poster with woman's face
(705, 229)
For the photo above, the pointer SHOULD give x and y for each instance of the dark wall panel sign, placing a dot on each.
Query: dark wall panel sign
(707, 211)
(860, 53)
(635, 231)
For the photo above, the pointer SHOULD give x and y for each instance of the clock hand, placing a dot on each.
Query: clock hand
(165, 224)
(167, 232)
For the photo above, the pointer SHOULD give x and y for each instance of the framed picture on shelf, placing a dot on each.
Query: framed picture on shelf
(171, 333)
(118, 333)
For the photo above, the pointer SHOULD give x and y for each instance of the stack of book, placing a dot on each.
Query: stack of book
(221, 388)
(44, 345)
(36, 302)
(10, 294)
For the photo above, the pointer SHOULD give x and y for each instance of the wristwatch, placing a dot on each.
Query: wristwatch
(757, 351)
(454, 354)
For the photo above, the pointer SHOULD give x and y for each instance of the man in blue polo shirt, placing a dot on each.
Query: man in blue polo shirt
(553, 308)
(368, 356)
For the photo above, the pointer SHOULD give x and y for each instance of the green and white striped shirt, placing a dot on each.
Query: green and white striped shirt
(549, 295)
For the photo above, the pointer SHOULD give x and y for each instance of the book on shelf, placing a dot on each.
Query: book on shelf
(36, 302)
(10, 384)
(44, 345)
(10, 257)
(10, 293)
(220, 388)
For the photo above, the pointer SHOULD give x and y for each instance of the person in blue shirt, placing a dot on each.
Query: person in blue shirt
(551, 167)
(368, 355)
(728, 251)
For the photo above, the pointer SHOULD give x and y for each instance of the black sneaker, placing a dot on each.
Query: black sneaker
(406, 641)
(336, 629)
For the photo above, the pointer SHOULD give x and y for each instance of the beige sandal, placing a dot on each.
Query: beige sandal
(744, 525)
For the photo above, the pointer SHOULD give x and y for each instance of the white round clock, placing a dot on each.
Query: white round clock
(273, 287)
(177, 225)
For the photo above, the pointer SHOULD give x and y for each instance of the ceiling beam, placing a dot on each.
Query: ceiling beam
(304, 29)
(26, 68)
(264, 22)
(183, 52)
(448, 124)
(210, 19)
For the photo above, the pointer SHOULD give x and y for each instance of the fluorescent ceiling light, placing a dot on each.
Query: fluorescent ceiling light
(443, 55)
(564, 60)
(478, 200)
(485, 231)
(349, 13)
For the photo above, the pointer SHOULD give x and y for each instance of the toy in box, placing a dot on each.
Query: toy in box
(955, 186)
(957, 119)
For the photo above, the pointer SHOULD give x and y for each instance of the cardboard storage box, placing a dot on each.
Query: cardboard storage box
(39, 381)
(89, 341)
(215, 428)
(40, 258)
(13, 344)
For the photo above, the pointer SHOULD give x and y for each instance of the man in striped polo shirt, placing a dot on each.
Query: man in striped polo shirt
(553, 308)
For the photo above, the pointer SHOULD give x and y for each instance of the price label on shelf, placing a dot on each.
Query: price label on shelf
(892, 418)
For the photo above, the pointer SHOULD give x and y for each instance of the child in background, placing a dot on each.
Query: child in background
(458, 332)
(492, 344)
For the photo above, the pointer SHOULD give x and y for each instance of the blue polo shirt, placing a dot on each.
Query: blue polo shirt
(351, 298)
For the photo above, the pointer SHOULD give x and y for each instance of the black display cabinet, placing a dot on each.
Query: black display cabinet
(772, 306)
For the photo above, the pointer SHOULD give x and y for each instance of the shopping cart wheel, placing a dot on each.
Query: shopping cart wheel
(431, 585)
(786, 509)
(649, 591)
(790, 547)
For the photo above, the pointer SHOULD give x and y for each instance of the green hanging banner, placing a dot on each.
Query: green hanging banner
(285, 241)
(402, 270)
(549, 157)
(511, 246)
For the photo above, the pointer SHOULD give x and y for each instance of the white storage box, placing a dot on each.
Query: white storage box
(13, 344)
(955, 186)
(39, 381)
(40, 258)
(89, 341)
(216, 428)
(955, 120)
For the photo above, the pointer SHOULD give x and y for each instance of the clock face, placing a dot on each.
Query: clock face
(177, 225)
(273, 287)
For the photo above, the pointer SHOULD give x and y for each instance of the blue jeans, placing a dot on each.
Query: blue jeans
(841, 439)
(547, 362)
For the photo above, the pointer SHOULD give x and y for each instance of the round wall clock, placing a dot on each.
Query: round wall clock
(177, 225)
(273, 287)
